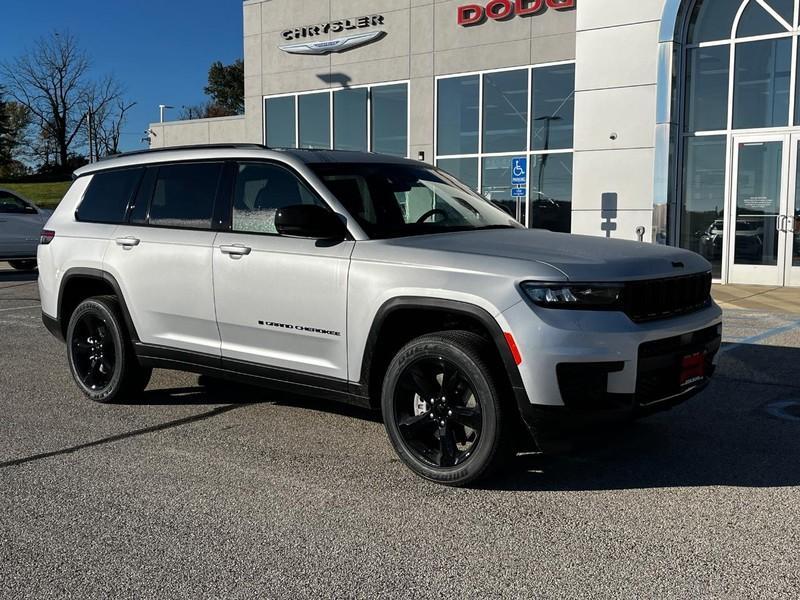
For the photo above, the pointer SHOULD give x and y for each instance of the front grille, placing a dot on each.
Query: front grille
(664, 298)
(658, 375)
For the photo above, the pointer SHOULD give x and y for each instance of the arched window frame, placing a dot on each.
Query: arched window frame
(671, 103)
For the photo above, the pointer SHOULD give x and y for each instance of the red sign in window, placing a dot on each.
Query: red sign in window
(502, 10)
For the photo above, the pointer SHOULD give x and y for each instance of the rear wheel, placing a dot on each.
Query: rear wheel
(100, 352)
(23, 265)
(443, 409)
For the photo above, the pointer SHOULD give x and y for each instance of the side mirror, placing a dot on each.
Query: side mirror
(30, 210)
(309, 221)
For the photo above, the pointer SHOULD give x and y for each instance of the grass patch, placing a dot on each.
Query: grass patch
(45, 195)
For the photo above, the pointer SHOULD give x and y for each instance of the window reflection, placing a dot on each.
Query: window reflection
(505, 111)
(390, 119)
(708, 80)
(457, 117)
(761, 84)
(314, 117)
(553, 108)
(497, 184)
(280, 122)
(350, 120)
(551, 192)
(704, 199)
(463, 169)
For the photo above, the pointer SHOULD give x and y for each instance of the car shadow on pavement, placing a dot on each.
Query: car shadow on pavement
(216, 392)
(743, 430)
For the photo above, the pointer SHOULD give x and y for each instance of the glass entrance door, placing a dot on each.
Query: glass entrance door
(759, 247)
(790, 223)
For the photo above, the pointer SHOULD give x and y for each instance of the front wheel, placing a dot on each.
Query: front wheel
(443, 409)
(23, 265)
(101, 356)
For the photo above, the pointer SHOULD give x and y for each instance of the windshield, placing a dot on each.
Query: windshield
(397, 200)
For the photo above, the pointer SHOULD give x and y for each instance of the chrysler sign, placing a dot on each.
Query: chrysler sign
(304, 43)
(337, 45)
(502, 10)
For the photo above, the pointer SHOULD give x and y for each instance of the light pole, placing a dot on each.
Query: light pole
(162, 108)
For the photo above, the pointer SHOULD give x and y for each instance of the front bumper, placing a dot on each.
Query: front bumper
(582, 368)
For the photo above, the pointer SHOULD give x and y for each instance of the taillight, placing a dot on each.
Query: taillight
(47, 236)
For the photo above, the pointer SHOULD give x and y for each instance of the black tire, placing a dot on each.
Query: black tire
(455, 440)
(23, 265)
(100, 352)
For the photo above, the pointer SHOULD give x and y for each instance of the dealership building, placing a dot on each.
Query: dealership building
(671, 121)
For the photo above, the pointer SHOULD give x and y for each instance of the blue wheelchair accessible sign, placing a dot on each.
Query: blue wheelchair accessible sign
(519, 171)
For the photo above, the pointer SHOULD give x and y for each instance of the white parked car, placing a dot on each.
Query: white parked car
(373, 280)
(21, 224)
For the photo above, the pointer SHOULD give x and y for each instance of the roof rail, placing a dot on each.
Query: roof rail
(192, 147)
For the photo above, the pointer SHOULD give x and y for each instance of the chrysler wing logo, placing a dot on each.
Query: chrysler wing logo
(338, 45)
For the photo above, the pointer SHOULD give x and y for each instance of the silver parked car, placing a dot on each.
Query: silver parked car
(21, 224)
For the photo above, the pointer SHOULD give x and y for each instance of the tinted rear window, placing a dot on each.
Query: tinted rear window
(106, 199)
(184, 195)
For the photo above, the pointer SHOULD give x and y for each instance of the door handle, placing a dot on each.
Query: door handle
(128, 242)
(235, 250)
(779, 223)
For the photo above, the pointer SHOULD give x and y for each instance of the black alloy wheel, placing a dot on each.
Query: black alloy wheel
(438, 412)
(93, 351)
(100, 352)
(444, 410)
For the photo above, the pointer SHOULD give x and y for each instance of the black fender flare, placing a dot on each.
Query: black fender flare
(99, 275)
(451, 306)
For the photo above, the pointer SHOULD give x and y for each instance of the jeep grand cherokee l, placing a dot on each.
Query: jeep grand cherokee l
(374, 280)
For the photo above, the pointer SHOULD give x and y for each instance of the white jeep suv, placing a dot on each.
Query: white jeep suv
(373, 280)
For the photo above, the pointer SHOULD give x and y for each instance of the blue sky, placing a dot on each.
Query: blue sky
(160, 51)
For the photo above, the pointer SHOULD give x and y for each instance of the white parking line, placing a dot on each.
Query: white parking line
(20, 308)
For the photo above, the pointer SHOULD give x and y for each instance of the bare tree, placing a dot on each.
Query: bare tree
(53, 81)
(107, 127)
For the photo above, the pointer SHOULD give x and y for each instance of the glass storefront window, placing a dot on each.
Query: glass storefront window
(350, 119)
(524, 111)
(390, 119)
(314, 117)
(785, 8)
(463, 169)
(505, 111)
(280, 122)
(761, 84)
(497, 183)
(553, 108)
(457, 115)
(707, 88)
(387, 106)
(757, 21)
(703, 214)
(551, 192)
(712, 20)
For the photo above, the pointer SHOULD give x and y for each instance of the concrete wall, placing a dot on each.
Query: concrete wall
(424, 40)
(615, 116)
(222, 130)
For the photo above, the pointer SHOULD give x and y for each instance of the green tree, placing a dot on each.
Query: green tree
(226, 88)
(15, 121)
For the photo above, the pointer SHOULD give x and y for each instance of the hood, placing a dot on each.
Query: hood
(578, 257)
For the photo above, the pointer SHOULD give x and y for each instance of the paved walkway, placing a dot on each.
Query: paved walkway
(757, 297)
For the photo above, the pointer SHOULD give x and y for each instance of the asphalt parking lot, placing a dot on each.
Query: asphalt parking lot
(247, 493)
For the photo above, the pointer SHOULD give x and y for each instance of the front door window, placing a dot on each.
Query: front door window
(758, 203)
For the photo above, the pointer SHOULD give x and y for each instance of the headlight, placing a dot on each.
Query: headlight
(579, 296)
